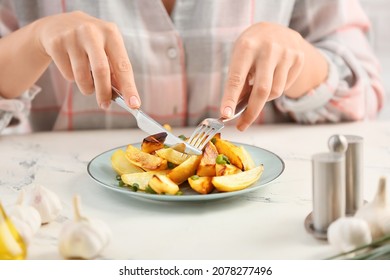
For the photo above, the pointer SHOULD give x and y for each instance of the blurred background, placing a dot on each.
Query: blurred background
(379, 13)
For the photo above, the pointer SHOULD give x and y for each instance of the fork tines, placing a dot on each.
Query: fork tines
(202, 134)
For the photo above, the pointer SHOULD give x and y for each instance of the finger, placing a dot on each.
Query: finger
(294, 71)
(240, 65)
(62, 61)
(259, 95)
(279, 81)
(122, 70)
(101, 74)
(81, 70)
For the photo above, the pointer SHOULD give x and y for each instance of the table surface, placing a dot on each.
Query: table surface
(264, 224)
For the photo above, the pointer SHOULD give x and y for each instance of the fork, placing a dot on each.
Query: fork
(207, 129)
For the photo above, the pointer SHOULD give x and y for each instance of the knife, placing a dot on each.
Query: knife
(150, 126)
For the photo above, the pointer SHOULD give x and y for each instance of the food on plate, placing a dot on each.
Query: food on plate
(182, 172)
(162, 184)
(145, 160)
(171, 155)
(238, 181)
(236, 155)
(153, 142)
(141, 179)
(201, 185)
(158, 169)
(207, 163)
(122, 165)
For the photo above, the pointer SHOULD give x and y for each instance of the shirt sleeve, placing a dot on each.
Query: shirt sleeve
(18, 107)
(353, 89)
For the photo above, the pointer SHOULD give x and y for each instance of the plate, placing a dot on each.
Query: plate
(100, 170)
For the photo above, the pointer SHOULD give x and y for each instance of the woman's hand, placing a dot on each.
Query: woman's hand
(80, 45)
(267, 61)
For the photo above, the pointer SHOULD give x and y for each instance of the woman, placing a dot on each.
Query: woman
(185, 60)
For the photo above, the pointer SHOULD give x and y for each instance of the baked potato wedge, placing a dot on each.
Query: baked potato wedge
(141, 178)
(122, 165)
(153, 142)
(206, 166)
(172, 155)
(145, 160)
(239, 181)
(161, 184)
(182, 172)
(233, 152)
(226, 169)
(201, 185)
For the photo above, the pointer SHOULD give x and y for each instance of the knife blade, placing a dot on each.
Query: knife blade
(150, 126)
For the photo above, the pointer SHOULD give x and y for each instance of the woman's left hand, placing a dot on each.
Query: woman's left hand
(267, 60)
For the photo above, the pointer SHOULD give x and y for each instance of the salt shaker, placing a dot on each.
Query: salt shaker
(328, 190)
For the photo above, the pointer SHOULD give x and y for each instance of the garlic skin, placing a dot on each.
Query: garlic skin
(25, 218)
(377, 212)
(348, 233)
(46, 203)
(83, 238)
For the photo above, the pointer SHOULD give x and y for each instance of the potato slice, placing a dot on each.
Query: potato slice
(247, 160)
(144, 160)
(141, 178)
(182, 172)
(161, 184)
(153, 142)
(172, 155)
(237, 181)
(122, 165)
(226, 169)
(234, 153)
(201, 185)
(206, 166)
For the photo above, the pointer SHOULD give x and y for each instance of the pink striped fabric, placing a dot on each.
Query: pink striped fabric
(180, 62)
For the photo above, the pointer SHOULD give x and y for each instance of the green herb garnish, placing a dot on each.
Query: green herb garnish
(222, 159)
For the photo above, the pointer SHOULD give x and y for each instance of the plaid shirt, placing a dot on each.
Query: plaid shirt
(181, 62)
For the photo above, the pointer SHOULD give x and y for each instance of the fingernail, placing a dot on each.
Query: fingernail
(134, 102)
(227, 112)
(242, 127)
(105, 105)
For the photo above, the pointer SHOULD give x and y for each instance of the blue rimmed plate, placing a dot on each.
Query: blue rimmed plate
(100, 170)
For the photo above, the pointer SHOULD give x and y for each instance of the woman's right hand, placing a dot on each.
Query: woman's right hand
(80, 45)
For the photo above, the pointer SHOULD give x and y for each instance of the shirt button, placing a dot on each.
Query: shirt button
(172, 53)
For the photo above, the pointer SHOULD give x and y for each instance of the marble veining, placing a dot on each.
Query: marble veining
(270, 219)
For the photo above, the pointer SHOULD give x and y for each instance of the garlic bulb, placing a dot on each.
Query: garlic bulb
(348, 233)
(25, 218)
(83, 238)
(46, 203)
(377, 212)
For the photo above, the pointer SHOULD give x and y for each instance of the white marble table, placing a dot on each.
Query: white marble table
(265, 224)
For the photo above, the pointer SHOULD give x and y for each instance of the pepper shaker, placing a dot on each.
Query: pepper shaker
(352, 146)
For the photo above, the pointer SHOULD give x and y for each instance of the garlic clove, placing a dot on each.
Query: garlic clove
(83, 238)
(348, 233)
(26, 215)
(24, 230)
(46, 203)
(26, 218)
(376, 211)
